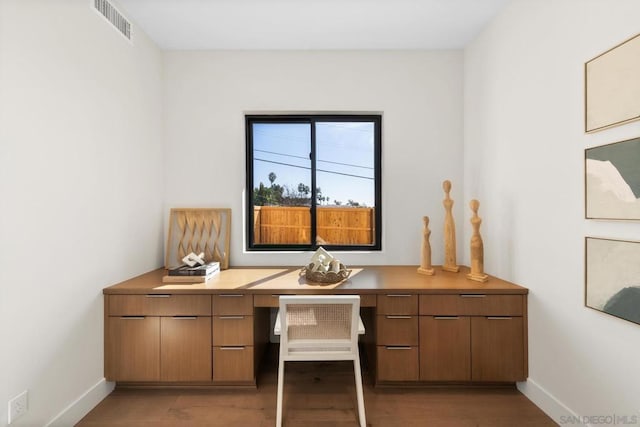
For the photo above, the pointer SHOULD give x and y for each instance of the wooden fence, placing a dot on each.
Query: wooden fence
(336, 225)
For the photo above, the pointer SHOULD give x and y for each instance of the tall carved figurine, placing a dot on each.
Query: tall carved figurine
(425, 254)
(477, 248)
(449, 231)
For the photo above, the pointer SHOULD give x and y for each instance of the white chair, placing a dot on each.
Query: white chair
(319, 327)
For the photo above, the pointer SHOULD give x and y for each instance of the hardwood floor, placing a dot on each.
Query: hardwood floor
(317, 395)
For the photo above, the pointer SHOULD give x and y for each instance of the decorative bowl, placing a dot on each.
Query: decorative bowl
(325, 277)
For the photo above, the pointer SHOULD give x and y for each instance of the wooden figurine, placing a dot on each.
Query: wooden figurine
(477, 248)
(449, 232)
(425, 254)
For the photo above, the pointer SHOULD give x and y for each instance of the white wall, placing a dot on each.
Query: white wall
(81, 194)
(419, 94)
(524, 150)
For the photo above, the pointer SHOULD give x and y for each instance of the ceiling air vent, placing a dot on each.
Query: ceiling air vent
(106, 9)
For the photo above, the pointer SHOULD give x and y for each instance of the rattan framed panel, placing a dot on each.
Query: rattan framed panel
(198, 230)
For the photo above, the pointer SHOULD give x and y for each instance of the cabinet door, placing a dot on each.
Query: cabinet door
(445, 348)
(134, 348)
(497, 346)
(186, 349)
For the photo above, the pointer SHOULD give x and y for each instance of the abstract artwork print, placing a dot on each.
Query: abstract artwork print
(612, 181)
(612, 282)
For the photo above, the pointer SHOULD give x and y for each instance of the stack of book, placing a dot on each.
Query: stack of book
(187, 274)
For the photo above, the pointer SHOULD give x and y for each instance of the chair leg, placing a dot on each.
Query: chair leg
(359, 394)
(280, 389)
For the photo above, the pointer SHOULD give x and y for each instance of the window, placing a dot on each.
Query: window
(313, 181)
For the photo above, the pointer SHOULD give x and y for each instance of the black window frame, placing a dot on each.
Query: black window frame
(251, 119)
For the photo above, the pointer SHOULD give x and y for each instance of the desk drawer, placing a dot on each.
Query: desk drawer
(397, 330)
(266, 300)
(233, 364)
(397, 363)
(397, 303)
(159, 305)
(232, 304)
(232, 330)
(472, 305)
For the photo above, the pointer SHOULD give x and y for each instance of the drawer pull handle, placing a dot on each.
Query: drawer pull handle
(231, 348)
(472, 295)
(499, 318)
(446, 317)
(398, 348)
(184, 317)
(158, 296)
(398, 317)
(231, 295)
(398, 295)
(133, 317)
(231, 317)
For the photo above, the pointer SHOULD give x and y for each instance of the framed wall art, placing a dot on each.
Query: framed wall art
(612, 277)
(612, 181)
(612, 86)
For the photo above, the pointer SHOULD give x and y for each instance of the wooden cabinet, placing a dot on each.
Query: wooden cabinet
(155, 337)
(133, 348)
(166, 338)
(233, 352)
(497, 346)
(445, 348)
(419, 328)
(473, 337)
(397, 338)
(185, 350)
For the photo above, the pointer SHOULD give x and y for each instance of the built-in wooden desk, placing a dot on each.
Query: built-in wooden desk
(420, 329)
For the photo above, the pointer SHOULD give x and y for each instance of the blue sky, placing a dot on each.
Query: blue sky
(345, 158)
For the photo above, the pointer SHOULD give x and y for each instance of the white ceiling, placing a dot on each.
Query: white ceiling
(311, 24)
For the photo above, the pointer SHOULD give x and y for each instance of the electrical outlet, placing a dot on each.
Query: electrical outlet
(18, 406)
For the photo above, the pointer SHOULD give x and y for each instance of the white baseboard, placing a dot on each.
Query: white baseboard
(551, 406)
(73, 413)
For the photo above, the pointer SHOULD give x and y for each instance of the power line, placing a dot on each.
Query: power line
(306, 158)
(346, 164)
(282, 154)
(345, 174)
(281, 163)
(308, 168)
